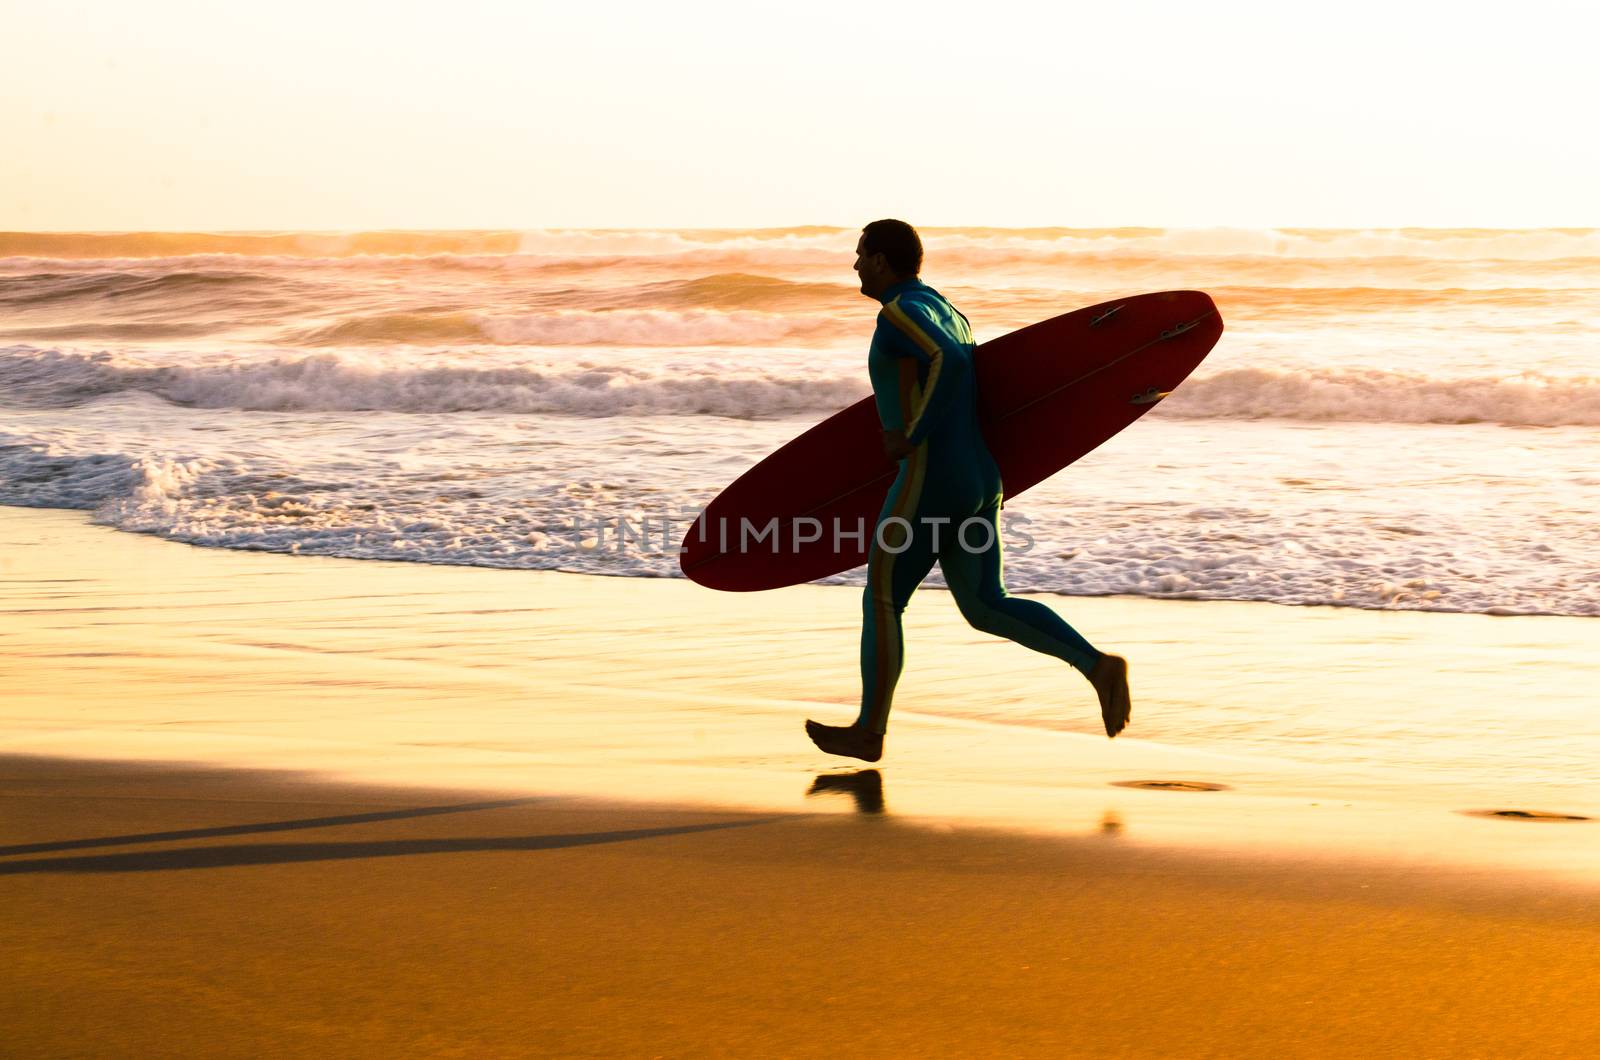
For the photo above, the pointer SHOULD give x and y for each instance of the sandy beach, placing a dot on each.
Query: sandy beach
(225, 913)
(258, 803)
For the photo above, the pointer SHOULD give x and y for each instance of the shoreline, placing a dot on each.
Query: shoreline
(1063, 599)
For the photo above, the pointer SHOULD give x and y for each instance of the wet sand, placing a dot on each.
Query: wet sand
(262, 804)
(213, 912)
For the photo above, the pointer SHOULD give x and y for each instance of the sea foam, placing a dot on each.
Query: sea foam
(353, 381)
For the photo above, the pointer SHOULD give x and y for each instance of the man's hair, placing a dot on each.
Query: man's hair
(897, 242)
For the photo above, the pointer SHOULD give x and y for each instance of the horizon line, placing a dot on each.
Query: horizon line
(798, 226)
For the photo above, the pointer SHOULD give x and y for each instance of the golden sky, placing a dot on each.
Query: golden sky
(161, 114)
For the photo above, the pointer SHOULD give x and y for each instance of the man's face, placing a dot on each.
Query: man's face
(876, 276)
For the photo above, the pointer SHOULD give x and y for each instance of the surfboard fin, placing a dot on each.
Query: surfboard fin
(1107, 315)
(1186, 326)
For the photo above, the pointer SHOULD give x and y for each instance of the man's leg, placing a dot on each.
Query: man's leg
(900, 557)
(893, 574)
(973, 565)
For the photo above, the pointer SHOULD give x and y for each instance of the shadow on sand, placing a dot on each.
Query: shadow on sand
(265, 826)
(216, 857)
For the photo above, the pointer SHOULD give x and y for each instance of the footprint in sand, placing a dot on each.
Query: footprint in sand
(1170, 785)
(1526, 815)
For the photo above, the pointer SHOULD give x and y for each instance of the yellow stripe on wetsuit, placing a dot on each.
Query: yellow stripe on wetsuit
(882, 588)
(925, 342)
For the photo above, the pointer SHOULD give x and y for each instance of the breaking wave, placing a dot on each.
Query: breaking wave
(330, 383)
(1355, 396)
(334, 382)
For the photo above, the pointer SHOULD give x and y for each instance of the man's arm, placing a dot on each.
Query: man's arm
(894, 386)
(927, 341)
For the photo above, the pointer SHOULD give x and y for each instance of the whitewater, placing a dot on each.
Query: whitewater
(1393, 419)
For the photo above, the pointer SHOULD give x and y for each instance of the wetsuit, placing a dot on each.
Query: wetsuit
(945, 501)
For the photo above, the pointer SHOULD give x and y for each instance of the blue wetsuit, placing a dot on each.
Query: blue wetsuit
(945, 501)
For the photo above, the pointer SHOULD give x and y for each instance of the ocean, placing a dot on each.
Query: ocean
(1399, 419)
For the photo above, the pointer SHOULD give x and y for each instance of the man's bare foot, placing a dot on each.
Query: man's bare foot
(1110, 680)
(848, 741)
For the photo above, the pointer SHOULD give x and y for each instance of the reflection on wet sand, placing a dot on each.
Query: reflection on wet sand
(864, 785)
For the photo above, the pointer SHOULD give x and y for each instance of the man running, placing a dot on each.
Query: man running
(945, 501)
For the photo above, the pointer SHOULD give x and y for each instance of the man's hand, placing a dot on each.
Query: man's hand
(896, 445)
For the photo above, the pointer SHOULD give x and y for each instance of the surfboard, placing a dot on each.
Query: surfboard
(1047, 394)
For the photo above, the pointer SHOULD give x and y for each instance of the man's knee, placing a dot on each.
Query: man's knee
(979, 611)
(876, 599)
(984, 621)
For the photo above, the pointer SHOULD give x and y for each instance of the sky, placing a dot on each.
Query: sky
(168, 115)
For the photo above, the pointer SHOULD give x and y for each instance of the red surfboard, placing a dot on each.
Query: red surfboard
(1047, 394)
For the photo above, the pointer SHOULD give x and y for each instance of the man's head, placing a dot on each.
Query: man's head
(888, 252)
